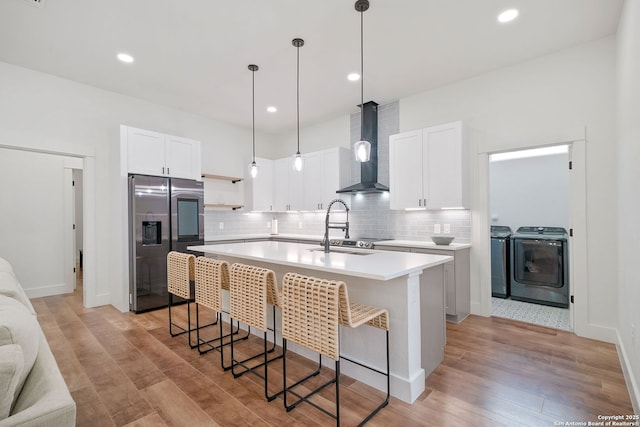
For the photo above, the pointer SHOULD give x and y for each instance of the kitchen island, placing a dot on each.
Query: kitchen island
(409, 285)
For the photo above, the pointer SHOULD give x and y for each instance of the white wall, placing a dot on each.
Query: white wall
(532, 191)
(520, 106)
(32, 220)
(46, 113)
(628, 193)
(332, 133)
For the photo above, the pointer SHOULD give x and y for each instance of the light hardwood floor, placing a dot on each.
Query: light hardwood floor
(124, 369)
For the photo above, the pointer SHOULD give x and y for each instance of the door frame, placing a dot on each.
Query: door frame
(86, 154)
(481, 221)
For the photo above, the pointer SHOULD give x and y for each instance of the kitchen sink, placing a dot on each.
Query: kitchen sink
(342, 251)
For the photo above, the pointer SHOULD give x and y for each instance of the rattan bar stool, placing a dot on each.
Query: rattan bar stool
(312, 310)
(180, 277)
(252, 290)
(211, 278)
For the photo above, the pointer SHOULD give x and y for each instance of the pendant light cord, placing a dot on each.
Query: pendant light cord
(361, 75)
(298, 93)
(253, 111)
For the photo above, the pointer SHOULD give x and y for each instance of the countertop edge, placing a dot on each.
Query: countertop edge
(212, 249)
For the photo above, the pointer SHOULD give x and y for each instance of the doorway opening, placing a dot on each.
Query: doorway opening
(78, 229)
(529, 211)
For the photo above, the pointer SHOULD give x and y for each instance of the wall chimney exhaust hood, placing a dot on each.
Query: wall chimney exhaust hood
(368, 170)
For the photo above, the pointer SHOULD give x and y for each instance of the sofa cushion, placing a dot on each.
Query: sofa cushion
(11, 369)
(9, 286)
(5, 266)
(18, 326)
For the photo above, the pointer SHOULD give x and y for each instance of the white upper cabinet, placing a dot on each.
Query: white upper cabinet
(405, 170)
(312, 189)
(258, 191)
(325, 172)
(153, 153)
(287, 186)
(429, 168)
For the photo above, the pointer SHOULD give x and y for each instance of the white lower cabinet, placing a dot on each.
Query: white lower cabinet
(457, 279)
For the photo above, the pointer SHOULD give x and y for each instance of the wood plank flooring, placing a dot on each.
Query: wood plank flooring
(125, 369)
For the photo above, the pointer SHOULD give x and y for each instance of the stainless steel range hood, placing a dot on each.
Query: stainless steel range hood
(368, 170)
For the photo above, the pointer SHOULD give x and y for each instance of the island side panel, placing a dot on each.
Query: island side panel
(433, 317)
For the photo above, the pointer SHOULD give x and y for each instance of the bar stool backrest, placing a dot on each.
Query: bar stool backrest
(212, 276)
(310, 313)
(180, 271)
(251, 289)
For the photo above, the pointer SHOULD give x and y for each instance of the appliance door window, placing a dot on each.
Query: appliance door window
(539, 262)
(188, 224)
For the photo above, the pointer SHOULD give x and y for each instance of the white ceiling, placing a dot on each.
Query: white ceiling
(193, 54)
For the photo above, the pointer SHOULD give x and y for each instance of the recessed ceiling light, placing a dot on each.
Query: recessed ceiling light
(508, 15)
(271, 109)
(354, 77)
(125, 57)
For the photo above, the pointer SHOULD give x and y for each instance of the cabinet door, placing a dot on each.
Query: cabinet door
(146, 152)
(296, 187)
(336, 174)
(259, 190)
(288, 185)
(182, 157)
(314, 176)
(443, 166)
(405, 170)
(280, 184)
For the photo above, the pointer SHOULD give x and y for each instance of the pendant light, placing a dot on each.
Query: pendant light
(253, 167)
(297, 158)
(362, 148)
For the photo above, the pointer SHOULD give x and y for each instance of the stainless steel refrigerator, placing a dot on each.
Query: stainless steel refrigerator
(165, 214)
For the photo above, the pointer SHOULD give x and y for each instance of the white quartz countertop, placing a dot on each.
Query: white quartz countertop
(264, 236)
(422, 244)
(371, 264)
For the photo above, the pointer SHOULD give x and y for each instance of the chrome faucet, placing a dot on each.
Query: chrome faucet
(344, 226)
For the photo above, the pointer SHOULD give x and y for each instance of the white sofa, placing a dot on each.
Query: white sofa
(32, 390)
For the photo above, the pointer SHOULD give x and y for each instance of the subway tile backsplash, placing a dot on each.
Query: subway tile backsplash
(369, 216)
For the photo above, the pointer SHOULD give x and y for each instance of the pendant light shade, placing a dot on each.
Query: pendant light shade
(253, 167)
(362, 148)
(297, 158)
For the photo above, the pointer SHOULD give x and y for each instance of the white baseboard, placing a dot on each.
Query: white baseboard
(47, 291)
(632, 385)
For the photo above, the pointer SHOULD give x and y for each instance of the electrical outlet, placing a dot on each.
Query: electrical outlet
(436, 228)
(300, 225)
(221, 225)
(447, 228)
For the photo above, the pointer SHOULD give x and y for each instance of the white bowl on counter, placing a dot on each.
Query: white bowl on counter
(442, 239)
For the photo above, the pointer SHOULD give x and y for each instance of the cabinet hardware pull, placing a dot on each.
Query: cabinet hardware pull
(163, 170)
(419, 202)
(168, 173)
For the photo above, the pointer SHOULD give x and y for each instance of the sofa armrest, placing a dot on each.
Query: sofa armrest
(45, 399)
